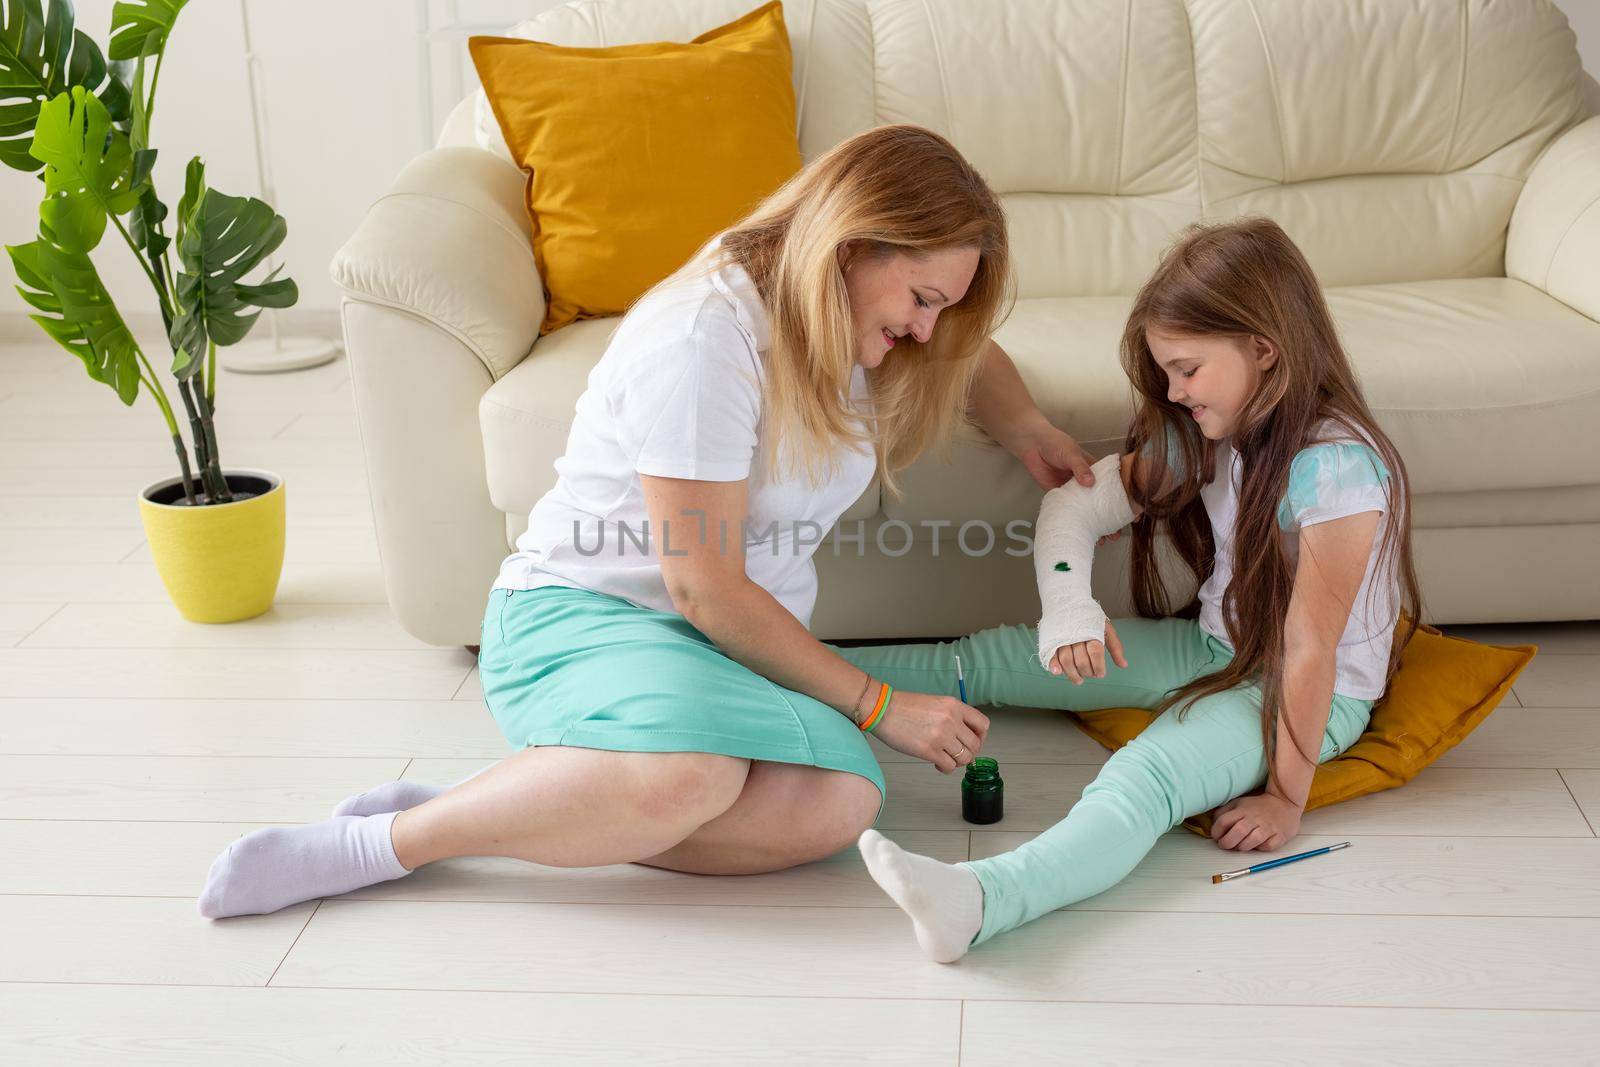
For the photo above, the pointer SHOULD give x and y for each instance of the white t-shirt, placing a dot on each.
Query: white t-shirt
(1343, 476)
(677, 394)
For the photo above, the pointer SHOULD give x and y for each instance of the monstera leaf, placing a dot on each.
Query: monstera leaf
(144, 224)
(41, 58)
(140, 28)
(78, 311)
(222, 238)
(90, 170)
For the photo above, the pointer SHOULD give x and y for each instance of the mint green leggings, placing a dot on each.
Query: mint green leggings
(1169, 772)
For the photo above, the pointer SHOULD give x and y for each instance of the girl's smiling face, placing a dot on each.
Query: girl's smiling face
(1214, 376)
(896, 294)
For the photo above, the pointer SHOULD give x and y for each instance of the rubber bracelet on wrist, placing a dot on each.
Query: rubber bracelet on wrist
(879, 708)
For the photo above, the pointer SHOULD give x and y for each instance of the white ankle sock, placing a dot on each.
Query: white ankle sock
(281, 865)
(945, 901)
(390, 796)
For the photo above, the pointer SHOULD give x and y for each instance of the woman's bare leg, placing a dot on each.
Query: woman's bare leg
(564, 807)
(572, 807)
(788, 814)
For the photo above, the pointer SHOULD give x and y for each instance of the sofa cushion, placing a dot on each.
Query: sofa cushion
(1482, 383)
(1389, 140)
(831, 42)
(1447, 366)
(637, 154)
(527, 415)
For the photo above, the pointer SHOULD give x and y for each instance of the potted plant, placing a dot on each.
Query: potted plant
(83, 125)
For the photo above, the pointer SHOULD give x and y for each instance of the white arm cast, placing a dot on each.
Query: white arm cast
(1071, 519)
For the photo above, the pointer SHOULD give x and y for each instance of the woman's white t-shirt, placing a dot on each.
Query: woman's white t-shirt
(677, 394)
(1339, 476)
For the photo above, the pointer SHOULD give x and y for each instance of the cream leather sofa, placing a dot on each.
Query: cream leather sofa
(1438, 162)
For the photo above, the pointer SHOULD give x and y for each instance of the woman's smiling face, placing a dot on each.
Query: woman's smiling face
(1214, 376)
(895, 295)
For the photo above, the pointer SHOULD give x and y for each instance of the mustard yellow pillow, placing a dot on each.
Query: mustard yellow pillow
(637, 154)
(1444, 688)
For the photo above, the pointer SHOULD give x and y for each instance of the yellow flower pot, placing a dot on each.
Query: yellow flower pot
(219, 562)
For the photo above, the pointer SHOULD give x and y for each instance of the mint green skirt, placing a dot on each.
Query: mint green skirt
(587, 670)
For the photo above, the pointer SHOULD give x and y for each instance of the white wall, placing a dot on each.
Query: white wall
(1585, 18)
(342, 82)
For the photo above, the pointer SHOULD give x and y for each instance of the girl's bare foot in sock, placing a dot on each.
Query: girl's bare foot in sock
(945, 901)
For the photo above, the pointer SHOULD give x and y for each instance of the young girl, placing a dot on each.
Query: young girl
(1252, 446)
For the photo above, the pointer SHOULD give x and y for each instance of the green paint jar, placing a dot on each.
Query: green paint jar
(983, 792)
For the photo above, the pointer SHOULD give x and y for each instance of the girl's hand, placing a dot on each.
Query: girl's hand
(941, 730)
(1087, 659)
(1261, 821)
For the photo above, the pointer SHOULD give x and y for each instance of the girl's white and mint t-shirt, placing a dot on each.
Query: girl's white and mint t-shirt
(1336, 477)
(677, 394)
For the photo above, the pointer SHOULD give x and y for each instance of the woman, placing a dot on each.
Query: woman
(646, 647)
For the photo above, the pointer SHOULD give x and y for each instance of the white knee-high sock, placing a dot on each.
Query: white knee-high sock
(945, 901)
(1071, 519)
(282, 865)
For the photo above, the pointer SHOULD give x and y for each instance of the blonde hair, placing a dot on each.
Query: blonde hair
(893, 189)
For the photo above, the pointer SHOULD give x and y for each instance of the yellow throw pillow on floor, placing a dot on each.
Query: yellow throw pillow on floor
(1444, 688)
(636, 155)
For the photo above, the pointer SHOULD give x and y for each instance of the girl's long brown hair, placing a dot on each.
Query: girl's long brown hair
(891, 189)
(1241, 279)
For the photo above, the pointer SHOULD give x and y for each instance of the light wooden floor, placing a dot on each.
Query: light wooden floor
(1464, 926)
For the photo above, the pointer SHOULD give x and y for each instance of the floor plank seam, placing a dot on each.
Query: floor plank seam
(42, 623)
(167, 821)
(234, 755)
(915, 1000)
(318, 907)
(931, 999)
(1069, 910)
(887, 907)
(369, 700)
(224, 648)
(1575, 800)
(802, 996)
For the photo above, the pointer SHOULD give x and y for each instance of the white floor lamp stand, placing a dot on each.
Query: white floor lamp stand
(280, 353)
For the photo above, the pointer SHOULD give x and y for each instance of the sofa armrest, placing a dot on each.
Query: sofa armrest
(450, 243)
(440, 538)
(441, 298)
(1554, 240)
